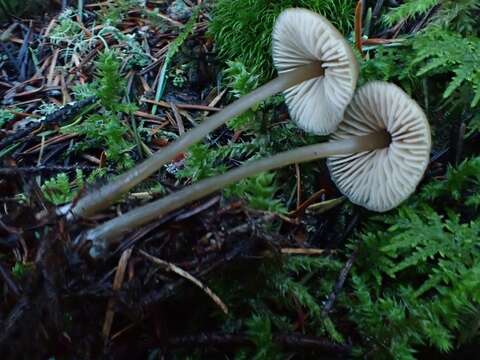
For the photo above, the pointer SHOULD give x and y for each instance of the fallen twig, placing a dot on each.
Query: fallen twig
(302, 251)
(59, 116)
(359, 26)
(181, 106)
(117, 284)
(172, 267)
(339, 284)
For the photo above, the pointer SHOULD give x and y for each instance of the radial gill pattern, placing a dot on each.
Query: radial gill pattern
(300, 37)
(381, 179)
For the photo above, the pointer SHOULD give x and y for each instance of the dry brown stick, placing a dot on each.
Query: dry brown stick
(54, 140)
(145, 115)
(299, 185)
(239, 248)
(117, 284)
(173, 268)
(178, 119)
(53, 64)
(181, 106)
(358, 26)
(339, 284)
(61, 115)
(160, 58)
(36, 91)
(303, 206)
(24, 114)
(27, 102)
(302, 251)
(120, 332)
(197, 209)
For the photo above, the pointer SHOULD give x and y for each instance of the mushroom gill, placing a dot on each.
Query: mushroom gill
(381, 179)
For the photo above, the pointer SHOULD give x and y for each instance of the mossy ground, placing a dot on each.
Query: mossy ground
(398, 285)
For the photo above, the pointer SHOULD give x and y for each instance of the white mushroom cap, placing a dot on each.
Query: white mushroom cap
(380, 180)
(301, 37)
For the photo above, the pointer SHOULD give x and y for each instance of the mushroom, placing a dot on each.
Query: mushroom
(299, 37)
(381, 179)
(316, 68)
(377, 157)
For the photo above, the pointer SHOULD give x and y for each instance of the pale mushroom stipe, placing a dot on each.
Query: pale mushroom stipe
(299, 57)
(384, 132)
(110, 232)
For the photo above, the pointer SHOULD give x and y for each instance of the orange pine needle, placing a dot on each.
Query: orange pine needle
(358, 26)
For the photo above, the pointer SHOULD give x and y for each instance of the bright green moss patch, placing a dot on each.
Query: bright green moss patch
(242, 28)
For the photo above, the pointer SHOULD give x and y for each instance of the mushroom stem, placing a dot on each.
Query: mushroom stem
(103, 197)
(110, 231)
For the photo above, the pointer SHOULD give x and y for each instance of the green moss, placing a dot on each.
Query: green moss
(242, 28)
(5, 117)
(458, 15)
(106, 128)
(416, 278)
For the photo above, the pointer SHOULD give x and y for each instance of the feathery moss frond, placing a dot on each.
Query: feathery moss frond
(426, 270)
(458, 15)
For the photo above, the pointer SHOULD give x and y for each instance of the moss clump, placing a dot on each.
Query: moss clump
(242, 28)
